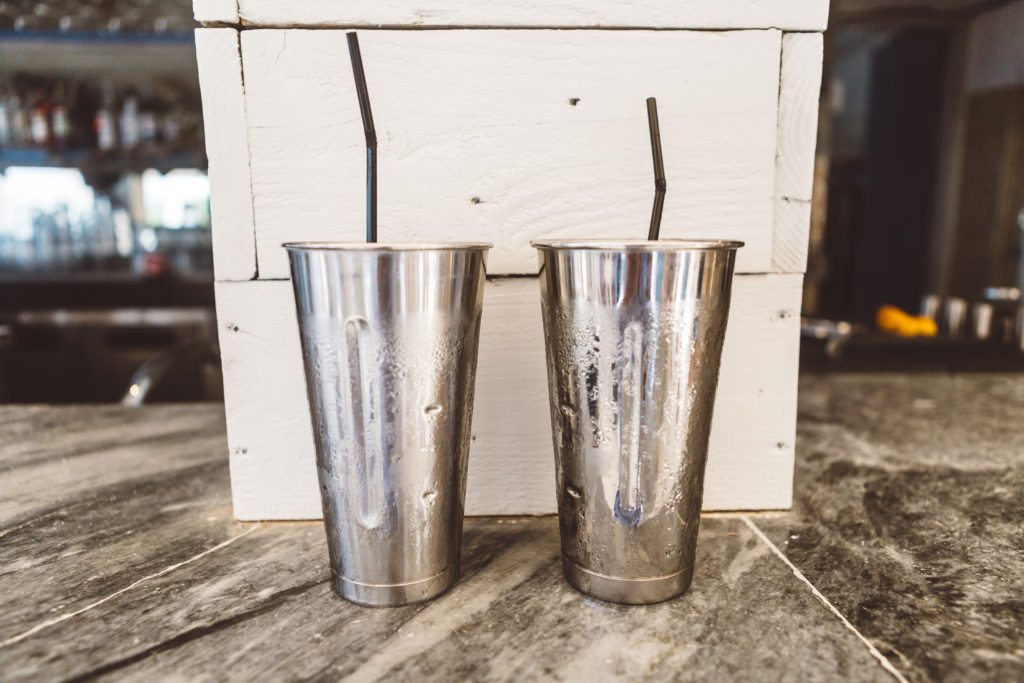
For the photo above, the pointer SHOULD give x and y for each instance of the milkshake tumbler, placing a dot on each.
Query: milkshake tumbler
(634, 333)
(389, 342)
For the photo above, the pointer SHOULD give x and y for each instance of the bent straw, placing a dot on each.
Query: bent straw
(660, 185)
(371, 136)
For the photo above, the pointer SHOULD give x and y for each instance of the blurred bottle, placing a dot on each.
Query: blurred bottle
(170, 127)
(60, 122)
(27, 23)
(17, 114)
(105, 120)
(5, 120)
(46, 18)
(8, 15)
(148, 124)
(130, 122)
(39, 121)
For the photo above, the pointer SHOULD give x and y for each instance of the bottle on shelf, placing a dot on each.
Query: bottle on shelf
(130, 122)
(60, 122)
(5, 120)
(39, 121)
(105, 121)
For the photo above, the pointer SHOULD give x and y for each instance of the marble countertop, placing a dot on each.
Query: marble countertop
(903, 559)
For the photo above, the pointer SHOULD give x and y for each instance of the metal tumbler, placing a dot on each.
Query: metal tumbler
(634, 334)
(389, 343)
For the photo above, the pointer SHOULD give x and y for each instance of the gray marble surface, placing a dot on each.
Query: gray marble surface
(902, 559)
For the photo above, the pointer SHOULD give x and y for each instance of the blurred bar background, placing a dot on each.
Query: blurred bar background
(105, 265)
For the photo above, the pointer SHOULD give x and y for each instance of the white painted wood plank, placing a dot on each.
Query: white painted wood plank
(511, 468)
(794, 15)
(792, 232)
(227, 148)
(487, 115)
(800, 83)
(750, 462)
(270, 438)
(798, 114)
(215, 11)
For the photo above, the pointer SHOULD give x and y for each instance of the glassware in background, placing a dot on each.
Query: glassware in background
(954, 317)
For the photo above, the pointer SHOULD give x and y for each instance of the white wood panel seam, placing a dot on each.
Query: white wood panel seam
(216, 17)
(243, 26)
(775, 166)
(297, 99)
(799, 85)
(248, 163)
(570, 14)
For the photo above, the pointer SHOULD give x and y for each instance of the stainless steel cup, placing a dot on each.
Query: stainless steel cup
(634, 335)
(389, 343)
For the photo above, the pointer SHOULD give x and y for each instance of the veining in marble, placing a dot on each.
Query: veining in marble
(909, 515)
(909, 525)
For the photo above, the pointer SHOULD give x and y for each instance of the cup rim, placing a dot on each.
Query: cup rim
(387, 246)
(668, 244)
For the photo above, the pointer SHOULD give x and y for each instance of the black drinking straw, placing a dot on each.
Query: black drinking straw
(659, 169)
(371, 137)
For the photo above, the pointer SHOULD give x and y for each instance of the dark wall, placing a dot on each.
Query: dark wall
(900, 165)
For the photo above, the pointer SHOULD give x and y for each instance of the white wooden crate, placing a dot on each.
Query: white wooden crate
(488, 115)
(790, 15)
(480, 138)
(511, 463)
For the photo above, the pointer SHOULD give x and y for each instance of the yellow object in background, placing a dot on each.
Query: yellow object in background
(896, 321)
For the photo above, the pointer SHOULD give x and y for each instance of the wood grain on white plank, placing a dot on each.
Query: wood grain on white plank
(511, 468)
(798, 114)
(270, 438)
(215, 11)
(793, 15)
(480, 137)
(227, 148)
(800, 83)
(751, 453)
(792, 231)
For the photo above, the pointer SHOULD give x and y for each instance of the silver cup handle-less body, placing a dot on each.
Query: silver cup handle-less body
(634, 334)
(389, 341)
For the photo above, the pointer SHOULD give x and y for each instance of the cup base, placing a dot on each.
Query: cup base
(395, 594)
(626, 591)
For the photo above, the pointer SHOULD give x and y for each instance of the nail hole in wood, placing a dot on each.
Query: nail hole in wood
(574, 101)
(475, 200)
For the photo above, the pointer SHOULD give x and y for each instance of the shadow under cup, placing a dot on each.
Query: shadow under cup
(634, 334)
(389, 343)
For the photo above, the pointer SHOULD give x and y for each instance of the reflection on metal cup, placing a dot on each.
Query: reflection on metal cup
(954, 316)
(389, 343)
(634, 334)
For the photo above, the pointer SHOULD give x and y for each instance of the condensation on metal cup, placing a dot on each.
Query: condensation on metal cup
(389, 343)
(634, 335)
